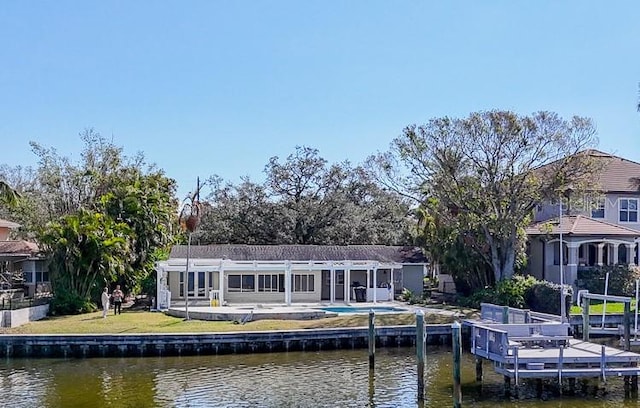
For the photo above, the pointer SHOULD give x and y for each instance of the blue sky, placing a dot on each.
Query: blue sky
(218, 87)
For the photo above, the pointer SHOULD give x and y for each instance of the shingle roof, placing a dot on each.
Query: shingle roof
(580, 225)
(380, 253)
(8, 224)
(618, 174)
(18, 248)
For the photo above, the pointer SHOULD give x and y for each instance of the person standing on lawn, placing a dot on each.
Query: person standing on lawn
(105, 302)
(118, 296)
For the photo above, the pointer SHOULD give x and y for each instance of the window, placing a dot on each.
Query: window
(628, 209)
(181, 284)
(269, 283)
(597, 209)
(339, 277)
(201, 291)
(241, 283)
(556, 253)
(302, 282)
(28, 277)
(42, 273)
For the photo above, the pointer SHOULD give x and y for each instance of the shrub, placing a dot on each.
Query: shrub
(544, 297)
(508, 292)
(406, 295)
(66, 303)
(622, 279)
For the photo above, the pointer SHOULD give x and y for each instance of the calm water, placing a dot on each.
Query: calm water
(327, 379)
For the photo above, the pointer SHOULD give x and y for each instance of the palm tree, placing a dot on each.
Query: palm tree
(8, 195)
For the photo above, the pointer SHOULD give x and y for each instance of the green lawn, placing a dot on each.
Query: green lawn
(154, 322)
(596, 308)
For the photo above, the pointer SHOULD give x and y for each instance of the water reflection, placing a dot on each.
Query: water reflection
(325, 379)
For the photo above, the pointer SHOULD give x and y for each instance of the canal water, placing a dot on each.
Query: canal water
(322, 379)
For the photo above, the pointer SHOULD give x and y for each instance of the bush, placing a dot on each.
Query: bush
(544, 297)
(521, 292)
(622, 280)
(406, 295)
(65, 303)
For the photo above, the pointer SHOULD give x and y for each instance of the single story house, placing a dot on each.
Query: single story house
(288, 273)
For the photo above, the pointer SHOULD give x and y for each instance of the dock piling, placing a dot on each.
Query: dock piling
(457, 354)
(372, 339)
(585, 319)
(505, 315)
(478, 369)
(627, 326)
(420, 342)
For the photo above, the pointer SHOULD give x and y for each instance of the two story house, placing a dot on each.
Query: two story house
(21, 259)
(601, 227)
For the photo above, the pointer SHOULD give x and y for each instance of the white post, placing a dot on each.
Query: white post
(369, 284)
(221, 284)
(635, 330)
(391, 284)
(606, 292)
(347, 284)
(375, 284)
(158, 286)
(562, 302)
(332, 283)
(287, 283)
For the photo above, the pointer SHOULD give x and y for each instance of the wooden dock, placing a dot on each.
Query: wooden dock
(523, 344)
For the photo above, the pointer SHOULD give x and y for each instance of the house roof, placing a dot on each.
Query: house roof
(580, 225)
(18, 248)
(617, 174)
(380, 253)
(8, 224)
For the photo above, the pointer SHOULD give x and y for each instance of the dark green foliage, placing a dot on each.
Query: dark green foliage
(68, 303)
(544, 297)
(305, 200)
(622, 280)
(521, 292)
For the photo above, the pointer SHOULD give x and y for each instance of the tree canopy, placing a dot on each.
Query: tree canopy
(482, 176)
(103, 219)
(305, 200)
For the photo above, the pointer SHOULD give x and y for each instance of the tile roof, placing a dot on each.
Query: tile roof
(8, 224)
(618, 174)
(380, 253)
(18, 248)
(580, 225)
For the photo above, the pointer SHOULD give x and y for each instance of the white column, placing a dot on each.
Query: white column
(615, 254)
(391, 284)
(158, 286)
(287, 283)
(630, 255)
(347, 284)
(332, 282)
(572, 265)
(366, 296)
(221, 285)
(600, 254)
(375, 283)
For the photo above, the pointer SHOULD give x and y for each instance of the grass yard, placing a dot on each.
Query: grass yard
(596, 308)
(131, 321)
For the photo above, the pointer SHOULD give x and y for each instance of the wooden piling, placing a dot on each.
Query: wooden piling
(457, 354)
(585, 319)
(372, 339)
(478, 369)
(420, 337)
(627, 326)
(505, 315)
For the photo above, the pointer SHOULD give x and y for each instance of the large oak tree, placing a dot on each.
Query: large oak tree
(488, 171)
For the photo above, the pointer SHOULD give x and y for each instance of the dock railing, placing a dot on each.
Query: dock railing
(511, 315)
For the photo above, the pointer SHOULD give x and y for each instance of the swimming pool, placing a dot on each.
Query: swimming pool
(356, 309)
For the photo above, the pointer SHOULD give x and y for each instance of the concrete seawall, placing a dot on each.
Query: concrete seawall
(140, 345)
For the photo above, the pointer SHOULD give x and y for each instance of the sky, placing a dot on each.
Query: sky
(219, 87)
